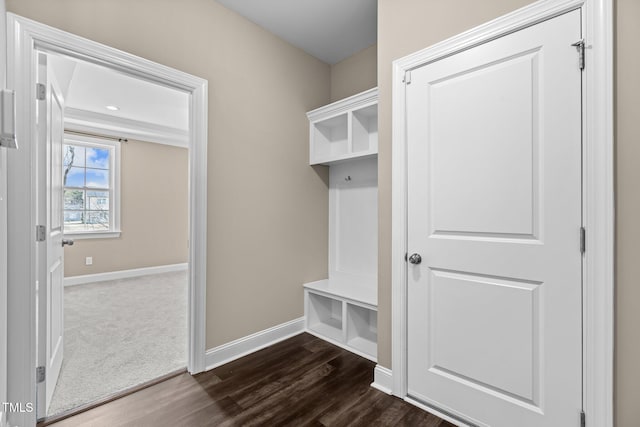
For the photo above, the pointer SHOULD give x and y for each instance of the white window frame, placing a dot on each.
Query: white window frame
(114, 185)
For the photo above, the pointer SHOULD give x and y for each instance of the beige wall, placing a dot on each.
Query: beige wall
(355, 74)
(627, 406)
(267, 215)
(154, 214)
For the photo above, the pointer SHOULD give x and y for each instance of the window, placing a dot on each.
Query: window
(91, 191)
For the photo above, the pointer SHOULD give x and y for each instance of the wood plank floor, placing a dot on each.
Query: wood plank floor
(303, 381)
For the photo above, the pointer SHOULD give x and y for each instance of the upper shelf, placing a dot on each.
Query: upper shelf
(344, 129)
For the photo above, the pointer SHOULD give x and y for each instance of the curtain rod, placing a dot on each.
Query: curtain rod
(96, 135)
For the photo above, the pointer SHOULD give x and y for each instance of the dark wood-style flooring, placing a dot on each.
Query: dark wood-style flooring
(303, 381)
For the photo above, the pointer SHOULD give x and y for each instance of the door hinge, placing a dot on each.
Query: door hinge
(41, 92)
(579, 45)
(41, 374)
(41, 233)
(583, 240)
(407, 77)
(583, 421)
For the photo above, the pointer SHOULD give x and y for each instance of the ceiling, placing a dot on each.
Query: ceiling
(105, 101)
(94, 87)
(330, 30)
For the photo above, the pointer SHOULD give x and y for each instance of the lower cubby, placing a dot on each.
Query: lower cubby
(350, 324)
(362, 329)
(324, 316)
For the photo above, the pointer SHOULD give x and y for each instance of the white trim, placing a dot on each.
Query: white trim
(357, 101)
(251, 343)
(382, 379)
(120, 127)
(24, 38)
(123, 274)
(598, 189)
(94, 235)
(3, 284)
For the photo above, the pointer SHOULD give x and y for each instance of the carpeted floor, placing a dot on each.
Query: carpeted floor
(119, 334)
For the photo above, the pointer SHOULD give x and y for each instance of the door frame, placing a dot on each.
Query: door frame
(24, 39)
(3, 231)
(598, 192)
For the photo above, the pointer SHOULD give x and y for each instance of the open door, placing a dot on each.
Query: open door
(50, 105)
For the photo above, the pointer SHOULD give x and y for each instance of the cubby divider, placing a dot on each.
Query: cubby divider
(348, 323)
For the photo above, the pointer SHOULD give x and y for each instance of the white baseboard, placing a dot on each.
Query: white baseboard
(382, 379)
(123, 274)
(241, 347)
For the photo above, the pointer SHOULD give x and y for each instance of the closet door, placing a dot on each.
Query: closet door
(494, 218)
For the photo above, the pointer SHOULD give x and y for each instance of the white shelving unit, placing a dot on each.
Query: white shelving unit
(343, 308)
(345, 129)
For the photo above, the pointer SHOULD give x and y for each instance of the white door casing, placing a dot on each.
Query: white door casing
(494, 209)
(3, 229)
(598, 214)
(51, 293)
(25, 38)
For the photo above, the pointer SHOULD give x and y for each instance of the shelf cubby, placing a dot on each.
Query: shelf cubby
(345, 129)
(330, 137)
(362, 329)
(365, 129)
(325, 316)
(344, 315)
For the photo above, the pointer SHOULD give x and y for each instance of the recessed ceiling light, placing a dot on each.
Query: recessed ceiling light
(112, 108)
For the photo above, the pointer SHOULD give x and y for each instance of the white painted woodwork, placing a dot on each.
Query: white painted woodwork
(3, 231)
(123, 274)
(353, 220)
(345, 129)
(236, 349)
(494, 208)
(598, 190)
(345, 322)
(51, 291)
(343, 308)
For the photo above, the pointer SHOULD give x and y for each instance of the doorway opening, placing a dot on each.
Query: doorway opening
(28, 275)
(123, 303)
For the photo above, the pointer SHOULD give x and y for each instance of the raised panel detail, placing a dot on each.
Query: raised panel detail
(484, 161)
(56, 293)
(485, 332)
(57, 133)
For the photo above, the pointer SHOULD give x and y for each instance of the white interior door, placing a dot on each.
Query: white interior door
(51, 293)
(494, 211)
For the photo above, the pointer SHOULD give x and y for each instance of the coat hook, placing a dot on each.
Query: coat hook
(348, 178)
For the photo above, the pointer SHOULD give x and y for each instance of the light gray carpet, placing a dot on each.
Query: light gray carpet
(120, 333)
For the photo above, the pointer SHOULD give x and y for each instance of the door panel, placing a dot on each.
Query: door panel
(494, 209)
(495, 195)
(51, 293)
(486, 302)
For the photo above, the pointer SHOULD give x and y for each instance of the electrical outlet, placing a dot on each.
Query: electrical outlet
(88, 260)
